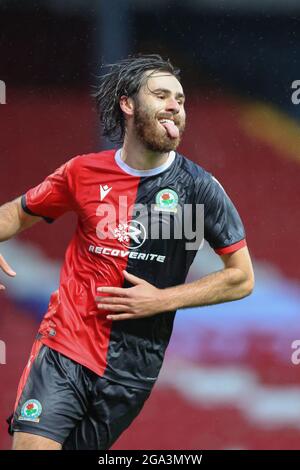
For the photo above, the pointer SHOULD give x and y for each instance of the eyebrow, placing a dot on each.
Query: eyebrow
(165, 90)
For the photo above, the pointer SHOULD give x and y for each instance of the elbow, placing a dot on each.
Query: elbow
(244, 284)
(248, 286)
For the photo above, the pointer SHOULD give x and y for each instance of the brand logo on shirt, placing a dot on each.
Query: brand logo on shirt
(166, 200)
(104, 190)
(31, 411)
(131, 234)
(165, 220)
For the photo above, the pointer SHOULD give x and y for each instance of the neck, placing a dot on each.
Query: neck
(135, 155)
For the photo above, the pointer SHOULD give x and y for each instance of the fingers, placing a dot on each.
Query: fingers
(123, 291)
(133, 279)
(112, 290)
(122, 316)
(117, 308)
(113, 308)
(112, 300)
(6, 268)
(117, 305)
(122, 302)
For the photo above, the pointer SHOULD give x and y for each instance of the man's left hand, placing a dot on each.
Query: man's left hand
(141, 300)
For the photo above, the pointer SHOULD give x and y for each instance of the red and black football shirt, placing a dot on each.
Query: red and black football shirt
(106, 195)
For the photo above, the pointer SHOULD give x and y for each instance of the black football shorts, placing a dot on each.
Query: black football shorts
(68, 403)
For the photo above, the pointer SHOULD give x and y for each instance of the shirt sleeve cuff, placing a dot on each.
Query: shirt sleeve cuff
(231, 248)
(28, 211)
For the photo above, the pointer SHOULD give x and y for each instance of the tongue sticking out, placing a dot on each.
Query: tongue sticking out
(171, 129)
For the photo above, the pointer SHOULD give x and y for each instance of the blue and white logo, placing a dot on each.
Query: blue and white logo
(31, 411)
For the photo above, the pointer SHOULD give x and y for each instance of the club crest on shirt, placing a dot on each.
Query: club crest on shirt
(166, 200)
(31, 411)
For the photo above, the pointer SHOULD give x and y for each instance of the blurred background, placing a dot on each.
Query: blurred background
(228, 381)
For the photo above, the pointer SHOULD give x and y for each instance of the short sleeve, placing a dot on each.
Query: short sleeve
(223, 227)
(51, 198)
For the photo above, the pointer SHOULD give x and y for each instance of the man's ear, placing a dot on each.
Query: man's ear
(127, 105)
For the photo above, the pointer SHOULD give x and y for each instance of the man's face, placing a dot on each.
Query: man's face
(159, 116)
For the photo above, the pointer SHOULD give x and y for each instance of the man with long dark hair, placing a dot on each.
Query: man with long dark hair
(101, 344)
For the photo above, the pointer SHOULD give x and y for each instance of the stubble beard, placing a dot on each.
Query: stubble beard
(152, 137)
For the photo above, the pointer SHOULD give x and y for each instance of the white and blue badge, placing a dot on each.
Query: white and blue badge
(166, 200)
(31, 411)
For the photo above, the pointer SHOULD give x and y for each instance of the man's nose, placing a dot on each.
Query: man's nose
(172, 105)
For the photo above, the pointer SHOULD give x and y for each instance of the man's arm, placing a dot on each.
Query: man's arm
(233, 282)
(12, 221)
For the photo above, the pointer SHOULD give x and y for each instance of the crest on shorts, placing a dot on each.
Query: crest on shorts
(31, 411)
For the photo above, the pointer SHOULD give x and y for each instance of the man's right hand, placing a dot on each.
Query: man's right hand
(6, 269)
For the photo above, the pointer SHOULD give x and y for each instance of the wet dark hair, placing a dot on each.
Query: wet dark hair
(124, 78)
